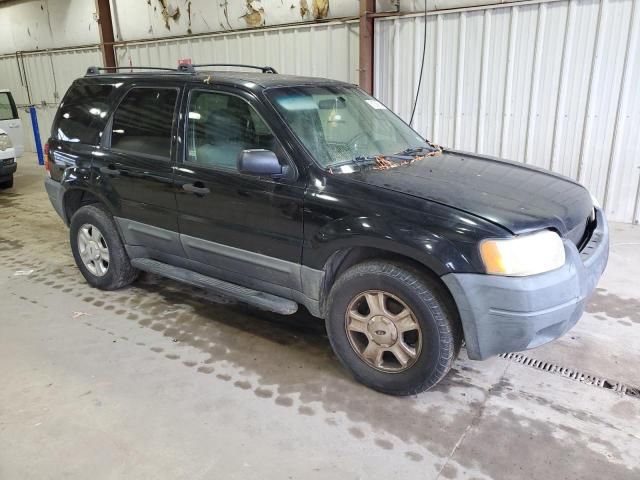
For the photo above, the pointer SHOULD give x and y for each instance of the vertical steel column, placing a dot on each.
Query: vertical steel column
(367, 7)
(106, 33)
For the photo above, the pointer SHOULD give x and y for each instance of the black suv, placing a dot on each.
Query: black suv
(279, 190)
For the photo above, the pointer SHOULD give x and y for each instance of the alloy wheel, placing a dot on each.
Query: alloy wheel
(93, 250)
(383, 331)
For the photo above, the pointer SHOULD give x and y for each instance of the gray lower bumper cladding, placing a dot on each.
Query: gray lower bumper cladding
(55, 192)
(510, 314)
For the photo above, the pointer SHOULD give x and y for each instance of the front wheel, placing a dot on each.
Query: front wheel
(392, 327)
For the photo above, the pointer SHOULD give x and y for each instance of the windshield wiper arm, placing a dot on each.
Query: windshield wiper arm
(359, 160)
(415, 151)
(402, 158)
(412, 151)
(431, 149)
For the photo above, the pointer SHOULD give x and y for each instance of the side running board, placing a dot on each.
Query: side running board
(262, 300)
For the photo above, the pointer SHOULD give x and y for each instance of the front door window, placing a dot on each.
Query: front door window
(220, 126)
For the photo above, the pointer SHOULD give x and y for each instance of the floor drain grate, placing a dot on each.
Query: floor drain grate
(573, 374)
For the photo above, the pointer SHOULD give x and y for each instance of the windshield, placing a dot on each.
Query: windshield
(341, 125)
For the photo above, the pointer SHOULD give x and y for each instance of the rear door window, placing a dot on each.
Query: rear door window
(143, 122)
(8, 110)
(83, 113)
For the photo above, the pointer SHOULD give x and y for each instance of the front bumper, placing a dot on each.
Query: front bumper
(7, 169)
(510, 314)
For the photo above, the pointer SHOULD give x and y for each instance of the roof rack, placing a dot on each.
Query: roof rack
(183, 68)
(97, 70)
(265, 69)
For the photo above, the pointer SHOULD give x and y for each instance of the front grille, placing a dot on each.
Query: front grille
(587, 237)
(8, 161)
(576, 234)
(581, 233)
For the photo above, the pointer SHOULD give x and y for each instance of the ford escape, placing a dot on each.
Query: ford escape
(280, 191)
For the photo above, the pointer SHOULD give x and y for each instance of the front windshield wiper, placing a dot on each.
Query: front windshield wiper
(413, 151)
(432, 149)
(381, 162)
(360, 160)
(384, 162)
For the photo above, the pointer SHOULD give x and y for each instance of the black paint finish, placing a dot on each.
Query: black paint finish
(433, 211)
(510, 194)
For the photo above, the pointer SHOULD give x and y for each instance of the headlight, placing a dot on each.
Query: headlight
(5, 141)
(526, 255)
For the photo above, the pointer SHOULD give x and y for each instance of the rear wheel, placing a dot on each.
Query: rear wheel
(392, 327)
(98, 250)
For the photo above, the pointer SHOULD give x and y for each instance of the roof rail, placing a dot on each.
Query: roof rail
(180, 69)
(265, 69)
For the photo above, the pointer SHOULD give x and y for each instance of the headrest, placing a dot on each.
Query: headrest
(238, 107)
(224, 126)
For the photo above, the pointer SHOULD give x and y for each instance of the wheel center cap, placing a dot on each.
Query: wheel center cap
(94, 251)
(382, 331)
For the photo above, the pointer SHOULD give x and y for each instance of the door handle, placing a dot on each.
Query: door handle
(14, 125)
(193, 188)
(110, 170)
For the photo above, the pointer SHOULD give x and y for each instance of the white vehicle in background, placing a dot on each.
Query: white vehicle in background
(7, 160)
(10, 122)
(11, 138)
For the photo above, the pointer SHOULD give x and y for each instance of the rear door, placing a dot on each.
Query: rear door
(10, 121)
(135, 167)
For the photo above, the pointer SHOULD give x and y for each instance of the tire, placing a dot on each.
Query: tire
(435, 342)
(117, 272)
(7, 183)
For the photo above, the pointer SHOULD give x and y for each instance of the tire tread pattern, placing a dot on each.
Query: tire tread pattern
(433, 297)
(120, 273)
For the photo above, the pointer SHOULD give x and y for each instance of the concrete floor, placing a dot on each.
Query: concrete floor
(159, 381)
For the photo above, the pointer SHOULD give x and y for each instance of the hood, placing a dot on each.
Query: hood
(515, 196)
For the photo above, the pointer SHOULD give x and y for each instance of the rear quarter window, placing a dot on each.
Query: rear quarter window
(83, 114)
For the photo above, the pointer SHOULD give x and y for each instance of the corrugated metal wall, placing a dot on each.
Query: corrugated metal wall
(551, 83)
(323, 49)
(47, 75)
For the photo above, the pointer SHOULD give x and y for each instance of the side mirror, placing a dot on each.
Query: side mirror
(259, 162)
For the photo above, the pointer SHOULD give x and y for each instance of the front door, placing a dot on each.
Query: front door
(136, 167)
(248, 229)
